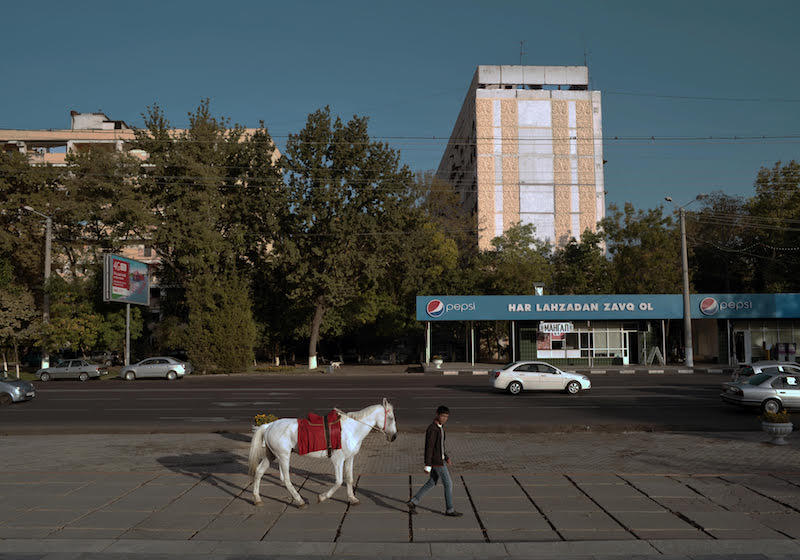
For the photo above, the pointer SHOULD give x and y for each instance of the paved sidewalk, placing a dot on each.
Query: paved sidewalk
(523, 495)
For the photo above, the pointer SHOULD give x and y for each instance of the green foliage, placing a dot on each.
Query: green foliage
(581, 267)
(221, 333)
(74, 323)
(19, 318)
(518, 261)
(645, 247)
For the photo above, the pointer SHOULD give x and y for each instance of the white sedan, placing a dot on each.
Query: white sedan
(537, 376)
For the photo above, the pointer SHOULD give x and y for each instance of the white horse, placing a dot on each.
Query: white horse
(277, 439)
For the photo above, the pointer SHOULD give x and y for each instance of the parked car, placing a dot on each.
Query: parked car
(14, 390)
(71, 369)
(108, 358)
(161, 366)
(744, 372)
(537, 376)
(772, 392)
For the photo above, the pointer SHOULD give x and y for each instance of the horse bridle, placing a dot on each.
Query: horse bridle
(385, 418)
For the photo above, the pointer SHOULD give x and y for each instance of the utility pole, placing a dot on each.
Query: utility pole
(48, 234)
(521, 51)
(687, 309)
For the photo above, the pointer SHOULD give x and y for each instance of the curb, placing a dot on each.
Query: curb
(135, 548)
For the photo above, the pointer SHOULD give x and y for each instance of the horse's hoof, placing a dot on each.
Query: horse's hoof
(301, 506)
(354, 502)
(259, 503)
(320, 498)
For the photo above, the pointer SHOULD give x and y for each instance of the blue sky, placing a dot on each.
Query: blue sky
(407, 65)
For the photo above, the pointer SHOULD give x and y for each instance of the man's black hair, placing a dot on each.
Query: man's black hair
(443, 410)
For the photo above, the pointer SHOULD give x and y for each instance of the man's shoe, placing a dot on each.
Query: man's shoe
(412, 508)
(453, 513)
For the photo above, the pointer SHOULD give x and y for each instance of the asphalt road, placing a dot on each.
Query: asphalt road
(228, 403)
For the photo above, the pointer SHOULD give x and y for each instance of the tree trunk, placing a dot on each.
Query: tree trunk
(315, 324)
(16, 358)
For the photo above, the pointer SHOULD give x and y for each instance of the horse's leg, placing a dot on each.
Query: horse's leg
(287, 480)
(262, 468)
(338, 462)
(348, 465)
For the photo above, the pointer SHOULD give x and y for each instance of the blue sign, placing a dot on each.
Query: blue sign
(606, 307)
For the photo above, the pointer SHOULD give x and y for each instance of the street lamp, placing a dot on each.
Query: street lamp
(687, 308)
(46, 300)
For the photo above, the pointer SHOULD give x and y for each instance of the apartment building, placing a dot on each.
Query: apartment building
(527, 148)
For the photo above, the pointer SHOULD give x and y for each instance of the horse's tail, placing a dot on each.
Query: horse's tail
(258, 449)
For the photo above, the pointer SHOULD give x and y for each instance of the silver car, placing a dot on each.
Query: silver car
(71, 369)
(772, 392)
(163, 367)
(14, 390)
(744, 372)
(537, 376)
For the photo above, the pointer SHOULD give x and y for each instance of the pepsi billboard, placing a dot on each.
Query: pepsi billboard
(606, 307)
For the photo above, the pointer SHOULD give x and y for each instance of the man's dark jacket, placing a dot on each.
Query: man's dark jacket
(433, 445)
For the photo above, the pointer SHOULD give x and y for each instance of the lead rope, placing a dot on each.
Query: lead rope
(343, 413)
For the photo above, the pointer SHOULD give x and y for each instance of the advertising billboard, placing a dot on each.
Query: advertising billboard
(125, 280)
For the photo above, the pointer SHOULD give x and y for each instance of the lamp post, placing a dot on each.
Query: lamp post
(687, 308)
(46, 301)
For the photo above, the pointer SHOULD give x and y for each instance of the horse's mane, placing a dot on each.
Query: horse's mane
(360, 414)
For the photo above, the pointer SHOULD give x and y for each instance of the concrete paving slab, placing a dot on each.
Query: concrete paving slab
(600, 491)
(212, 491)
(642, 503)
(756, 532)
(578, 549)
(787, 523)
(381, 506)
(172, 480)
(515, 521)
(109, 519)
(647, 534)
(652, 521)
(311, 521)
(273, 548)
(235, 527)
(25, 532)
(552, 491)
(73, 533)
(739, 498)
(448, 536)
(569, 503)
(586, 479)
(582, 521)
(506, 490)
(434, 521)
(31, 519)
(194, 506)
(488, 479)
(474, 550)
(684, 505)
(169, 520)
(145, 501)
(396, 534)
(521, 535)
(542, 479)
(723, 520)
(138, 534)
(726, 548)
(490, 503)
(73, 502)
(383, 479)
(323, 535)
(660, 487)
(45, 489)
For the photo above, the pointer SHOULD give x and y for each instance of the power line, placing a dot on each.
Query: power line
(704, 97)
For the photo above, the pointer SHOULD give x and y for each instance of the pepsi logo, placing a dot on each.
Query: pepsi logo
(709, 306)
(435, 308)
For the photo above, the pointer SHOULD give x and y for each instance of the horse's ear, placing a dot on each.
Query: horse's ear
(385, 402)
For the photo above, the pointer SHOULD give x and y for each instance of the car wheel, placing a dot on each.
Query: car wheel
(771, 405)
(573, 387)
(5, 399)
(515, 387)
(172, 375)
(107, 363)
(83, 376)
(130, 376)
(44, 377)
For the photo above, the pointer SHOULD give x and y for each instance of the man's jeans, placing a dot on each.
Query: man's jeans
(436, 474)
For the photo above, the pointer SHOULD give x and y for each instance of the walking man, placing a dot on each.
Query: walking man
(436, 463)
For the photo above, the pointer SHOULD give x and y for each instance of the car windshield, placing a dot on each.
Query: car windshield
(508, 365)
(758, 379)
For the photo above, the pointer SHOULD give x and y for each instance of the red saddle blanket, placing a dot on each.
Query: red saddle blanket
(312, 436)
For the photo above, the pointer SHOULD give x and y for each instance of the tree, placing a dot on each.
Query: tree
(518, 261)
(19, 319)
(581, 267)
(348, 196)
(646, 250)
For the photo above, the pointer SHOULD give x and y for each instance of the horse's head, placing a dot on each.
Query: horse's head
(389, 425)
